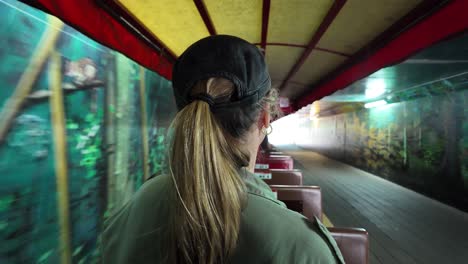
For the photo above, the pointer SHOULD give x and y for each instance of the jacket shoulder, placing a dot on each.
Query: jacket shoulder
(281, 235)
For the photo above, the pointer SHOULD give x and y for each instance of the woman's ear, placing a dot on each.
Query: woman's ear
(267, 118)
(264, 120)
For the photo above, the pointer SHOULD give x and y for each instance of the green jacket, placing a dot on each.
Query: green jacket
(269, 233)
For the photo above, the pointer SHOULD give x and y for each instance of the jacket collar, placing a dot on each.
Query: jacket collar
(257, 186)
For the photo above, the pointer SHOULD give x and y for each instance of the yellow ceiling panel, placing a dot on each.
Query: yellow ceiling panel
(295, 21)
(292, 90)
(360, 21)
(281, 59)
(177, 23)
(317, 65)
(242, 18)
(276, 83)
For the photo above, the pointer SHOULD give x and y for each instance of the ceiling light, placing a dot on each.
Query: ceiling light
(375, 104)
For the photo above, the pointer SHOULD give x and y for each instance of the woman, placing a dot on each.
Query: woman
(211, 208)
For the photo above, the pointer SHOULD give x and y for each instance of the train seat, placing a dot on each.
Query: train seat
(353, 244)
(274, 153)
(280, 176)
(274, 162)
(306, 200)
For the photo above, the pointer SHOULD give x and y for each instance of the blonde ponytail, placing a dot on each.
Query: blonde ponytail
(204, 163)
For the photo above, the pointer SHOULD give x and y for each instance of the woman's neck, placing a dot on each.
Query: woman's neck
(253, 158)
(251, 167)
(253, 143)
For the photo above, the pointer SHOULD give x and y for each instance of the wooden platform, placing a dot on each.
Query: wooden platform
(404, 226)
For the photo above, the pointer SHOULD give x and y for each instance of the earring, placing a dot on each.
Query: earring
(265, 130)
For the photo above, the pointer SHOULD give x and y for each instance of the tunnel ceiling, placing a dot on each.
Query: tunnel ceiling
(438, 70)
(442, 62)
(313, 48)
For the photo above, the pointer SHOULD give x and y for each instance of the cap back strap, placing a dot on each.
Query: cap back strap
(204, 97)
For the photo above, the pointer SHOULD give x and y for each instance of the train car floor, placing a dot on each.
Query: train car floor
(404, 226)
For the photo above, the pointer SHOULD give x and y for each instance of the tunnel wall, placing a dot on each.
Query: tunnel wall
(108, 109)
(421, 144)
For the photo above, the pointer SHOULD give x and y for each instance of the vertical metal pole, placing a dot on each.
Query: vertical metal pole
(110, 137)
(60, 150)
(405, 147)
(124, 179)
(344, 138)
(389, 136)
(144, 125)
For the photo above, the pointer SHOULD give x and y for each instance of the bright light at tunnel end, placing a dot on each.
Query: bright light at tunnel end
(375, 88)
(284, 130)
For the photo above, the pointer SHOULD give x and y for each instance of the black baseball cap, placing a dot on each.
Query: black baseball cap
(223, 56)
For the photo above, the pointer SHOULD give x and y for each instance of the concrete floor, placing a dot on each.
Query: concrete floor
(404, 226)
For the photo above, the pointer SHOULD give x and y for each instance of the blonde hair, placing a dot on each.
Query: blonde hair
(204, 163)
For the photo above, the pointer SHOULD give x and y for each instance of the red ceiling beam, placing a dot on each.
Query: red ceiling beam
(304, 46)
(331, 15)
(418, 13)
(333, 52)
(447, 20)
(293, 82)
(265, 20)
(282, 44)
(116, 30)
(205, 16)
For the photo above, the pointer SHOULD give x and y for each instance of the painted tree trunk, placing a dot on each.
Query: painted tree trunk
(17, 100)
(452, 134)
(61, 163)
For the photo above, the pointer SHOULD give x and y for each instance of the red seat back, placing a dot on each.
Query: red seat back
(280, 177)
(275, 153)
(274, 162)
(353, 244)
(269, 152)
(306, 200)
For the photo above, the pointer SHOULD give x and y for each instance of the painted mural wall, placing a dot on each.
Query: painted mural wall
(81, 128)
(421, 144)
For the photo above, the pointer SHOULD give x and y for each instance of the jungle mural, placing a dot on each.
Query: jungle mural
(81, 128)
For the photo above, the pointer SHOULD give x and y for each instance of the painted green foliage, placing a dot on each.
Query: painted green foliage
(418, 136)
(158, 122)
(29, 226)
(27, 210)
(422, 143)
(463, 143)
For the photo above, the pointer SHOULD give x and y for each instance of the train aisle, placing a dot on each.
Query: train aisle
(404, 226)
